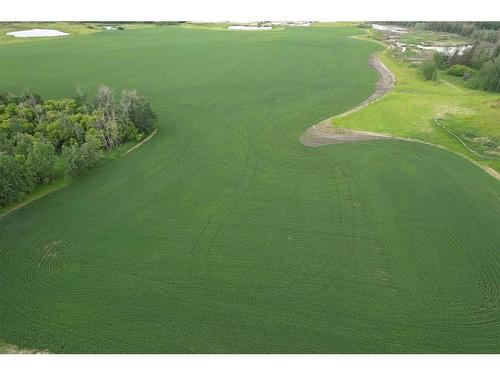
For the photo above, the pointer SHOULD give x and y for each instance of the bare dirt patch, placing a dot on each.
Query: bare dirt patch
(323, 134)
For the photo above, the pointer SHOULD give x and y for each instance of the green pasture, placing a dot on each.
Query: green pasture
(224, 234)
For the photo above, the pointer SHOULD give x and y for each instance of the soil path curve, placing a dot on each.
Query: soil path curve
(322, 134)
(385, 83)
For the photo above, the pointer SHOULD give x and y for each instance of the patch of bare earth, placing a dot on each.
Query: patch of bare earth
(323, 134)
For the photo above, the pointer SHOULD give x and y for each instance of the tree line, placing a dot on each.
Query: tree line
(488, 31)
(42, 140)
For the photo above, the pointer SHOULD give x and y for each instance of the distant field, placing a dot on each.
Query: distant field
(224, 234)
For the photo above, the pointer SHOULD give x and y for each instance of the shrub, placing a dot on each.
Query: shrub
(459, 70)
(429, 70)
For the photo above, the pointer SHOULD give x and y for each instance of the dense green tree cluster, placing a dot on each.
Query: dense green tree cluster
(41, 139)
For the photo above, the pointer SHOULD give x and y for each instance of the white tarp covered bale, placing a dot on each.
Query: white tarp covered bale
(36, 33)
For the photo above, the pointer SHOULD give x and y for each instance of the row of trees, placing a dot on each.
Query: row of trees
(480, 31)
(41, 140)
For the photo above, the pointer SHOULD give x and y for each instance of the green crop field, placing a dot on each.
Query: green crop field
(223, 233)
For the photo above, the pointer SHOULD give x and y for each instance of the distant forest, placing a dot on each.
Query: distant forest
(479, 30)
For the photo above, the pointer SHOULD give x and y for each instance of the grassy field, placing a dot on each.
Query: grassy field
(223, 233)
(411, 108)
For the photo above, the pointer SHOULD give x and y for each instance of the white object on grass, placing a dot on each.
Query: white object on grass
(36, 33)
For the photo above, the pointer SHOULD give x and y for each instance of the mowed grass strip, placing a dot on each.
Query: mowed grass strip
(224, 234)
